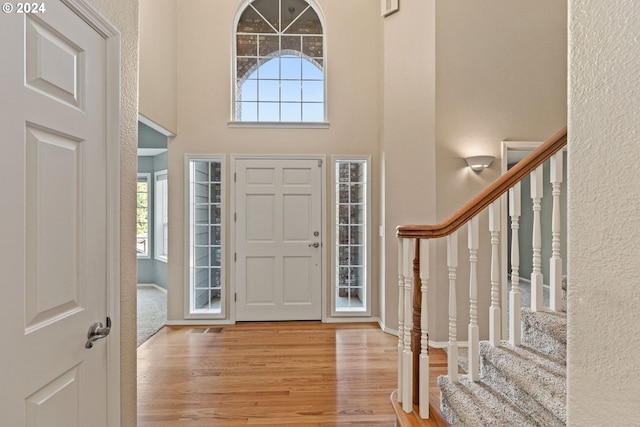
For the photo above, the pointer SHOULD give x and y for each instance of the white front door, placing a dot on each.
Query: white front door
(55, 216)
(278, 239)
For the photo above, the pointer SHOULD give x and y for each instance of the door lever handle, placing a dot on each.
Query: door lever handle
(97, 331)
(314, 245)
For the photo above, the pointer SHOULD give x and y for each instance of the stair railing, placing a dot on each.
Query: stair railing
(414, 273)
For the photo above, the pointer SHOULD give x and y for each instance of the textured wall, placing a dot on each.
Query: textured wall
(604, 231)
(123, 14)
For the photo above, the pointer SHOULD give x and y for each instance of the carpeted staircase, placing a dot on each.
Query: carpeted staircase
(519, 386)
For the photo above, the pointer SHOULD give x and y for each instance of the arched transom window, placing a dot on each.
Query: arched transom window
(279, 63)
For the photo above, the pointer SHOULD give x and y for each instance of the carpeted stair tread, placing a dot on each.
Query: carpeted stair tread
(474, 404)
(530, 355)
(553, 323)
(533, 381)
(545, 331)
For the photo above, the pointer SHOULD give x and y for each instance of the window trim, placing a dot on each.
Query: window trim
(233, 123)
(147, 177)
(224, 289)
(160, 203)
(366, 311)
(280, 125)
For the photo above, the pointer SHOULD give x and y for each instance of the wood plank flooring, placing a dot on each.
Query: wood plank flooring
(270, 374)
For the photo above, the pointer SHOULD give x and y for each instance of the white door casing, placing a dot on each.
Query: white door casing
(59, 184)
(278, 239)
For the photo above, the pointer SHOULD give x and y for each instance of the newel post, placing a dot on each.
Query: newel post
(407, 355)
(415, 330)
(400, 318)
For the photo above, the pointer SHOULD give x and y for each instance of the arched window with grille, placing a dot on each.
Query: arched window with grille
(279, 63)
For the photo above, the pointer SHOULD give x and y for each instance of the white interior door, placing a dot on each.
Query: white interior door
(278, 239)
(55, 218)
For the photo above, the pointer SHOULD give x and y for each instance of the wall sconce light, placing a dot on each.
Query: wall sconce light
(479, 163)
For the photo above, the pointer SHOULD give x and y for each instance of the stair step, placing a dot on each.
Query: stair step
(529, 379)
(412, 419)
(545, 331)
(469, 403)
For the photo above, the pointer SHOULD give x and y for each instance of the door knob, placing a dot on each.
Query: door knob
(97, 331)
(314, 245)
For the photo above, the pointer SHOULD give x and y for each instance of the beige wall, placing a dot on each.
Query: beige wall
(603, 366)
(501, 74)
(205, 30)
(123, 14)
(408, 143)
(158, 41)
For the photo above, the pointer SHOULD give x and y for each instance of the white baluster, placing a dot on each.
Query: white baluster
(474, 334)
(407, 354)
(400, 316)
(452, 262)
(555, 264)
(536, 273)
(514, 295)
(424, 327)
(495, 316)
(504, 273)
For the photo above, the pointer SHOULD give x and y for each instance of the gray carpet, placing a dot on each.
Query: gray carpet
(152, 311)
(519, 386)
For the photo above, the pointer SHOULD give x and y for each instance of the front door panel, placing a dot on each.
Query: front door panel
(278, 268)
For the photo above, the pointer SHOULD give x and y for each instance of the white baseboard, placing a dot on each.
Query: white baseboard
(386, 329)
(350, 320)
(524, 279)
(197, 322)
(152, 285)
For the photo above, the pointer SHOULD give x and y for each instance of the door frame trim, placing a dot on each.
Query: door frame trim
(323, 219)
(111, 35)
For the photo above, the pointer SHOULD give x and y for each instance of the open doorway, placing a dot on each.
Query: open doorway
(152, 229)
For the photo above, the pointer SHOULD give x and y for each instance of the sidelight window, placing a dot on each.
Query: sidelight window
(351, 292)
(206, 231)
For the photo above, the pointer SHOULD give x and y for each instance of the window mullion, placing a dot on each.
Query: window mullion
(282, 100)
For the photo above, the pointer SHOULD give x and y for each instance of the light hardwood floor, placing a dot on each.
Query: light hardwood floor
(270, 374)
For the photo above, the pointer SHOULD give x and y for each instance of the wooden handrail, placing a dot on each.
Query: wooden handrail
(490, 194)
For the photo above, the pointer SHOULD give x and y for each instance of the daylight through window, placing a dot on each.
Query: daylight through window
(279, 63)
(142, 213)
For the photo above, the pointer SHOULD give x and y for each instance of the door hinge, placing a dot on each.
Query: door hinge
(320, 163)
(235, 217)
(235, 177)
(235, 256)
(235, 297)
